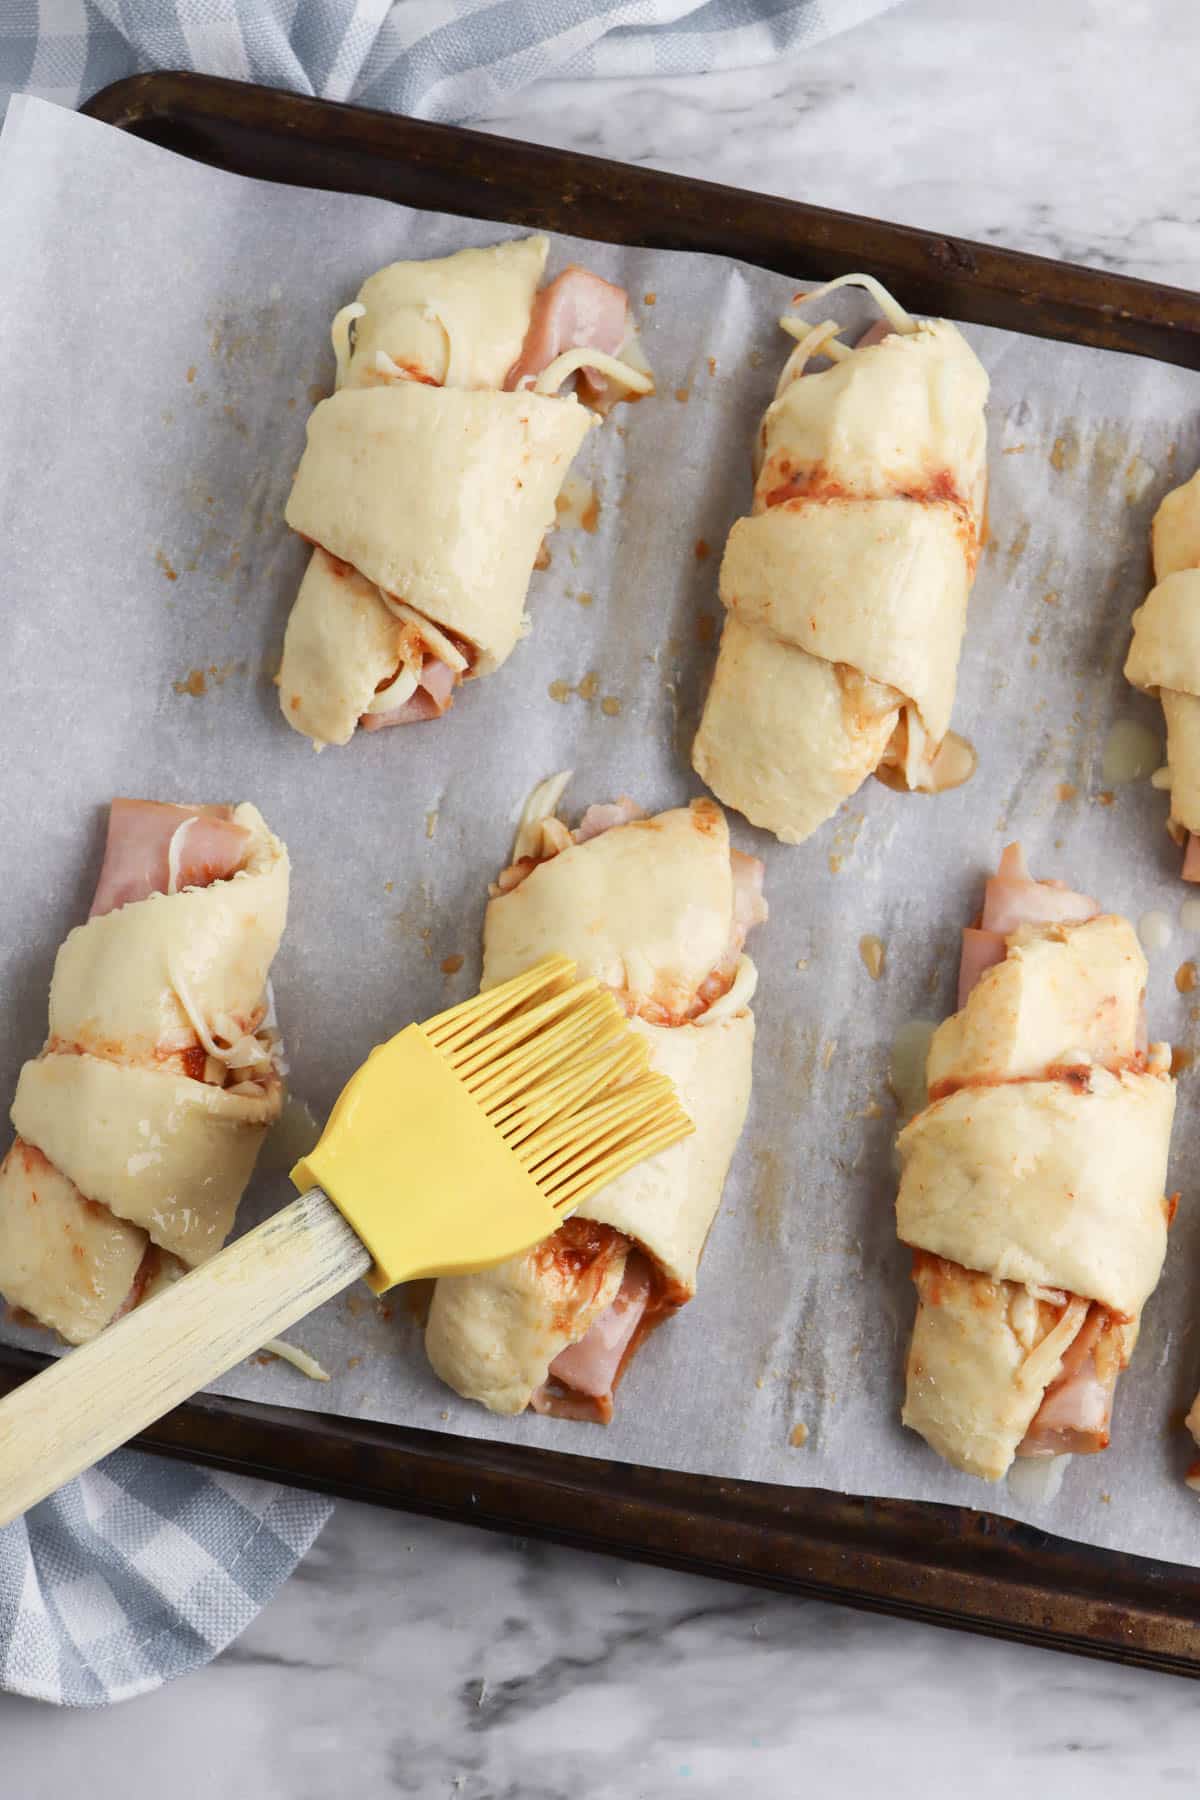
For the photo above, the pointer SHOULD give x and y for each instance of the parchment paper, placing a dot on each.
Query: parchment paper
(163, 334)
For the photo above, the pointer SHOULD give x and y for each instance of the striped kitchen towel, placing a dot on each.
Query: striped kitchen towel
(432, 59)
(138, 1572)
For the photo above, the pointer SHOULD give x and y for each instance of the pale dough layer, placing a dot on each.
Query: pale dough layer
(493, 1336)
(1038, 1183)
(778, 739)
(647, 908)
(68, 1261)
(341, 643)
(458, 321)
(1061, 995)
(440, 496)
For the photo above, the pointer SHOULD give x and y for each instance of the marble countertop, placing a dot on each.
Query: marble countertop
(420, 1658)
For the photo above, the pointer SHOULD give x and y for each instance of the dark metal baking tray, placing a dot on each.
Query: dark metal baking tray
(949, 1565)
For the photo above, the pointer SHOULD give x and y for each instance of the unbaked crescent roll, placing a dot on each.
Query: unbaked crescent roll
(1164, 657)
(1032, 1183)
(846, 589)
(658, 909)
(139, 1124)
(430, 477)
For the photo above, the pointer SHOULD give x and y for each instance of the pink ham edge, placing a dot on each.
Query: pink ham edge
(139, 838)
(1077, 1406)
(1191, 858)
(590, 1366)
(981, 951)
(575, 311)
(599, 819)
(434, 696)
(749, 902)
(1013, 898)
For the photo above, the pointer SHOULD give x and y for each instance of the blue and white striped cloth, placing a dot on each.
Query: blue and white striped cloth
(144, 1570)
(138, 1572)
(432, 59)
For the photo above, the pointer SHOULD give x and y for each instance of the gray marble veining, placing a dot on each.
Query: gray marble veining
(416, 1658)
(423, 1659)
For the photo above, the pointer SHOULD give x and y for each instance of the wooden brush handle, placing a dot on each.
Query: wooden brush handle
(99, 1396)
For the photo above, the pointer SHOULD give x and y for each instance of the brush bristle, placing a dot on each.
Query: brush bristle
(555, 1067)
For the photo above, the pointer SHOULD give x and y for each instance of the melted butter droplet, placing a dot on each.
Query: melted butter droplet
(1155, 930)
(1132, 752)
(906, 1068)
(1037, 1479)
(954, 763)
(293, 1135)
(872, 950)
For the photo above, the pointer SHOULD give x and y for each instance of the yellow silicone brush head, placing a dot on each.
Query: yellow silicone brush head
(468, 1139)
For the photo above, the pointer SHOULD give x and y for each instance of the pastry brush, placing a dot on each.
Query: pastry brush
(459, 1143)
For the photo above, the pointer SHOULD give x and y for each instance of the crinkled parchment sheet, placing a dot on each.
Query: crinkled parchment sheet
(163, 335)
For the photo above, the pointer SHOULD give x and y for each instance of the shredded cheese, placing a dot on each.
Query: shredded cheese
(299, 1359)
(899, 320)
(1042, 1364)
(542, 804)
(400, 688)
(737, 998)
(245, 1053)
(174, 854)
(437, 640)
(818, 340)
(556, 372)
(800, 329)
(342, 334)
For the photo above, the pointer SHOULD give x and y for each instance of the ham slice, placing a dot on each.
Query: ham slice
(576, 311)
(874, 334)
(1012, 898)
(599, 819)
(981, 951)
(1191, 859)
(138, 845)
(434, 695)
(591, 1366)
(1074, 1416)
(749, 905)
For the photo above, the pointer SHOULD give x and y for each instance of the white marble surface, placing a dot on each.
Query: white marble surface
(431, 1660)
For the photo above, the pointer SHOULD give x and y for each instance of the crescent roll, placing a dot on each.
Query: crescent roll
(845, 591)
(658, 909)
(1164, 657)
(1032, 1183)
(139, 1123)
(430, 477)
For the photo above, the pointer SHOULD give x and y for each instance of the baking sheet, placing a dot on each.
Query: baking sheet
(166, 330)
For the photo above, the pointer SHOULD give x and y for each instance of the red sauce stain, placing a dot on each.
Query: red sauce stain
(193, 1062)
